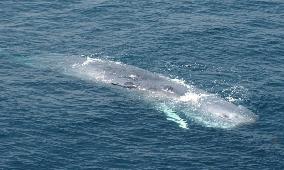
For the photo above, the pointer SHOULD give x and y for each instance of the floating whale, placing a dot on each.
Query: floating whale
(180, 101)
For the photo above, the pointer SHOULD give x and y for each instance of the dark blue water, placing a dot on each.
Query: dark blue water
(49, 120)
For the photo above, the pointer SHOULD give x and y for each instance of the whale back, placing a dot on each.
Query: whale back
(128, 76)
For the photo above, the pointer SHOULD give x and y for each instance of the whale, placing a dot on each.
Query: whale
(180, 101)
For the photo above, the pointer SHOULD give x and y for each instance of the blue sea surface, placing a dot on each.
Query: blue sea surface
(50, 120)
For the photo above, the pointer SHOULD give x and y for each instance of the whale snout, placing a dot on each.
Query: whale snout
(230, 113)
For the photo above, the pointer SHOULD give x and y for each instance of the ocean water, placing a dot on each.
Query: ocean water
(51, 120)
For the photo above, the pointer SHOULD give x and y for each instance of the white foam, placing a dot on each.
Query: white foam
(192, 97)
(90, 60)
(132, 76)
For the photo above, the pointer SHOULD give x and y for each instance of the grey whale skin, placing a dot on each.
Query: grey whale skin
(194, 103)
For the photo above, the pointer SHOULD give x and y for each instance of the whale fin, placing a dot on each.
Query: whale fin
(173, 116)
